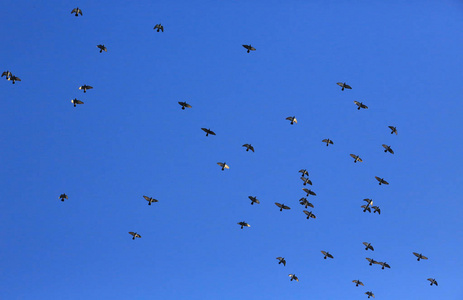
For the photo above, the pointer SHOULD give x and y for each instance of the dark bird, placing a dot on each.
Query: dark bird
(13, 78)
(433, 281)
(159, 27)
(304, 172)
(327, 254)
(305, 202)
(102, 48)
(309, 192)
(293, 277)
(77, 11)
(292, 119)
(420, 256)
(63, 196)
(75, 102)
(249, 48)
(370, 294)
(383, 264)
(208, 131)
(243, 224)
(394, 130)
(367, 206)
(360, 105)
(7, 74)
(357, 282)
(309, 214)
(344, 86)
(356, 158)
(306, 180)
(184, 104)
(282, 261)
(368, 246)
(249, 147)
(371, 261)
(381, 181)
(376, 209)
(327, 141)
(388, 149)
(223, 165)
(282, 206)
(253, 200)
(85, 88)
(134, 235)
(150, 200)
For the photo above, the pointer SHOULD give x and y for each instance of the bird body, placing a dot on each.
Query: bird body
(253, 200)
(208, 131)
(223, 165)
(292, 119)
(248, 147)
(420, 256)
(77, 11)
(159, 27)
(356, 158)
(309, 214)
(282, 206)
(327, 141)
(381, 180)
(134, 235)
(184, 104)
(249, 48)
(326, 254)
(343, 86)
(243, 224)
(368, 246)
(360, 105)
(63, 196)
(102, 48)
(388, 149)
(282, 261)
(150, 200)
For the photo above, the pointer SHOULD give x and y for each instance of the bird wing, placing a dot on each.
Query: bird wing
(340, 84)
(366, 244)
(251, 148)
(369, 259)
(220, 164)
(188, 105)
(356, 102)
(377, 178)
(324, 253)
(329, 255)
(74, 10)
(390, 150)
(132, 233)
(286, 207)
(416, 254)
(359, 159)
(295, 121)
(278, 204)
(325, 141)
(364, 106)
(310, 204)
(354, 156)
(246, 145)
(289, 118)
(385, 182)
(257, 201)
(385, 146)
(306, 190)
(422, 256)
(387, 266)
(212, 132)
(306, 212)
(146, 198)
(361, 283)
(226, 166)
(347, 86)
(369, 201)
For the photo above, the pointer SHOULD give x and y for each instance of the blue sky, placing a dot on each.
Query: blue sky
(130, 138)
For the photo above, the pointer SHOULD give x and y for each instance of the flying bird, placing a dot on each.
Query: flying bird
(293, 277)
(327, 254)
(282, 206)
(249, 48)
(13, 78)
(383, 264)
(306, 180)
(309, 214)
(208, 131)
(368, 246)
(356, 158)
(134, 235)
(63, 196)
(7, 74)
(102, 48)
(420, 256)
(85, 88)
(371, 261)
(376, 209)
(150, 200)
(370, 294)
(75, 102)
(253, 200)
(327, 141)
(282, 261)
(309, 192)
(77, 11)
(223, 165)
(344, 86)
(159, 27)
(360, 105)
(304, 172)
(433, 281)
(305, 202)
(292, 119)
(357, 282)
(381, 180)
(184, 104)
(243, 224)
(367, 206)
(388, 149)
(394, 130)
(248, 147)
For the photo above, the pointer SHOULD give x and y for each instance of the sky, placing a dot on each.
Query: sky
(130, 138)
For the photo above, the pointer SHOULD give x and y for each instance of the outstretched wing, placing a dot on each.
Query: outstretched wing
(220, 164)
(340, 84)
(354, 156)
(347, 86)
(377, 178)
(278, 204)
(356, 102)
(324, 252)
(286, 207)
(132, 233)
(289, 118)
(423, 257)
(74, 10)
(226, 166)
(295, 121)
(329, 255)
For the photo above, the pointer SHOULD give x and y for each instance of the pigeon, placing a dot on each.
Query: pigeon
(77, 11)
(63, 196)
(7, 74)
(306, 180)
(159, 27)
(281, 261)
(309, 192)
(75, 102)
(376, 209)
(102, 48)
(356, 158)
(150, 200)
(243, 224)
(433, 281)
(223, 165)
(282, 206)
(184, 104)
(304, 172)
(394, 130)
(208, 131)
(253, 200)
(327, 254)
(388, 149)
(420, 256)
(85, 88)
(381, 180)
(327, 141)
(357, 282)
(309, 214)
(293, 277)
(134, 235)
(13, 78)
(305, 202)
(249, 48)
(370, 294)
(368, 246)
(383, 264)
(360, 105)
(371, 261)
(248, 147)
(344, 86)
(292, 119)
(365, 208)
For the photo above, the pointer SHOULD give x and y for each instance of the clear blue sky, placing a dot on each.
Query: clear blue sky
(130, 138)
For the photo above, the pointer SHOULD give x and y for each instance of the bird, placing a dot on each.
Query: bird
(159, 27)
(383, 264)
(360, 105)
(344, 85)
(253, 200)
(223, 165)
(243, 224)
(7, 74)
(305, 202)
(306, 180)
(208, 131)
(184, 104)
(77, 11)
(13, 78)
(150, 200)
(433, 281)
(282, 261)
(75, 102)
(368, 246)
(293, 277)
(371, 261)
(356, 158)
(370, 294)
(420, 256)
(102, 48)
(309, 214)
(282, 206)
(249, 48)
(292, 119)
(327, 254)
(388, 149)
(63, 196)
(309, 192)
(365, 208)
(357, 282)
(304, 172)
(134, 235)
(368, 201)
(376, 209)
(327, 141)
(248, 147)
(381, 180)
(394, 130)
(85, 88)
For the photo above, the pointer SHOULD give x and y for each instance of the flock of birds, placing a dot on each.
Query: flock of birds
(304, 173)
